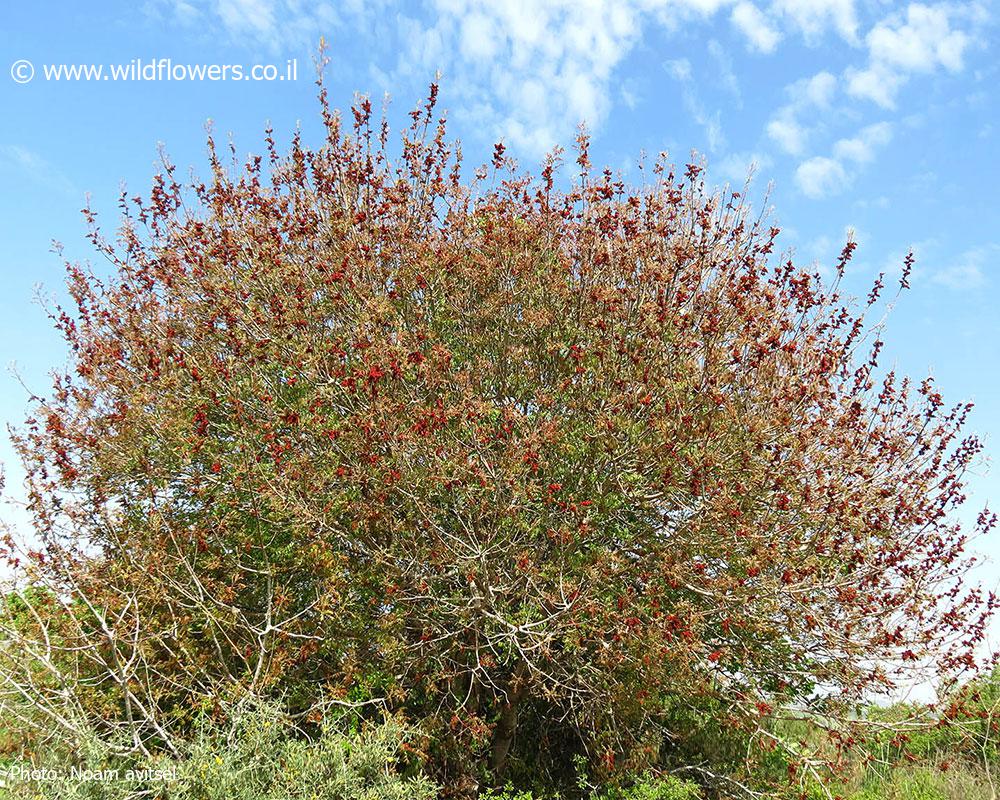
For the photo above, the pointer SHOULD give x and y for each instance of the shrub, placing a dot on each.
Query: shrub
(254, 757)
(662, 788)
(957, 782)
(645, 788)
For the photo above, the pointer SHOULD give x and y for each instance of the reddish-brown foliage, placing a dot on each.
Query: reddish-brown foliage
(339, 423)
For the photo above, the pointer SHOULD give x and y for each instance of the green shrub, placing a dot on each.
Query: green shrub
(648, 788)
(507, 793)
(920, 785)
(959, 781)
(662, 788)
(255, 757)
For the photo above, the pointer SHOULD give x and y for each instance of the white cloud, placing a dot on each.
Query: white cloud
(185, 11)
(866, 203)
(736, 167)
(820, 176)
(714, 136)
(698, 8)
(273, 24)
(787, 133)
(494, 54)
(254, 17)
(825, 175)
(727, 77)
(925, 41)
(479, 40)
(525, 72)
(921, 41)
(861, 148)
(969, 271)
(529, 72)
(817, 90)
(814, 17)
(29, 165)
(630, 95)
(876, 83)
(680, 70)
(180, 11)
(963, 275)
(807, 96)
(752, 23)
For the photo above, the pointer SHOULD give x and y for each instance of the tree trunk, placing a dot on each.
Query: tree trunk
(503, 734)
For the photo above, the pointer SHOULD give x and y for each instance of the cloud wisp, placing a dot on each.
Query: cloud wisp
(528, 73)
(921, 41)
(821, 176)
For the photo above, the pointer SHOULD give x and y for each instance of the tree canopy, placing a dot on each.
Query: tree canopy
(544, 463)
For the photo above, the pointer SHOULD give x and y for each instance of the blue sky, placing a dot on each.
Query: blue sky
(869, 116)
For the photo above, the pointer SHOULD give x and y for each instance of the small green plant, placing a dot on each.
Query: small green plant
(654, 788)
(257, 756)
(920, 785)
(508, 792)
(647, 788)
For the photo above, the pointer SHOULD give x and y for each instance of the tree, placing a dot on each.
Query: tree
(345, 426)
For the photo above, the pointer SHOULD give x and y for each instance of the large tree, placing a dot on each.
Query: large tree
(501, 454)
